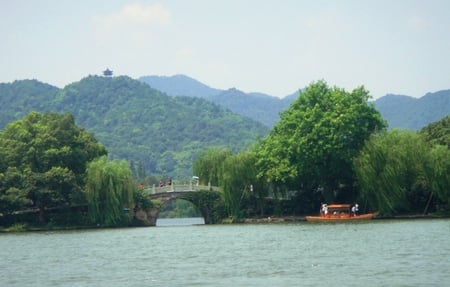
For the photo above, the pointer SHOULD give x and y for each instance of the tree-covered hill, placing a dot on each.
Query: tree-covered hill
(140, 124)
(257, 106)
(17, 99)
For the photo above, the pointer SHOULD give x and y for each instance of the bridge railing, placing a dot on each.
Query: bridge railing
(180, 188)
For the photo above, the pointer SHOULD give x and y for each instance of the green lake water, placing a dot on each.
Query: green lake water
(372, 253)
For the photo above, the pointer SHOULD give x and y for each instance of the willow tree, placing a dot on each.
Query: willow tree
(208, 165)
(438, 173)
(438, 133)
(109, 189)
(238, 181)
(438, 165)
(391, 172)
(312, 147)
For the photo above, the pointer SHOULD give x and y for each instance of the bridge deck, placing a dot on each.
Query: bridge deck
(180, 188)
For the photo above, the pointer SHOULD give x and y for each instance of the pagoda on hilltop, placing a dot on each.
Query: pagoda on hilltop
(107, 73)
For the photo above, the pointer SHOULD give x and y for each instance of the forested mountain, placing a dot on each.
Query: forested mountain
(400, 111)
(257, 106)
(17, 99)
(136, 122)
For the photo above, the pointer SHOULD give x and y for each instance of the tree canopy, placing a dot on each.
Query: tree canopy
(208, 165)
(109, 189)
(438, 132)
(312, 148)
(399, 172)
(43, 158)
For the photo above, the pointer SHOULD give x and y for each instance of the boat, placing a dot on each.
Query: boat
(339, 212)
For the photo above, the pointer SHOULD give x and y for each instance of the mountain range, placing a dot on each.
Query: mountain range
(400, 111)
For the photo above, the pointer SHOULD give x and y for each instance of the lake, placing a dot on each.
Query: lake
(372, 253)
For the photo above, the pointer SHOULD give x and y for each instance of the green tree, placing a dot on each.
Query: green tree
(391, 172)
(438, 164)
(312, 147)
(237, 181)
(438, 173)
(438, 132)
(12, 194)
(109, 189)
(142, 200)
(208, 165)
(47, 155)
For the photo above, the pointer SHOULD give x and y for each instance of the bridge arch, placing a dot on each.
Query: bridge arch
(207, 199)
(185, 202)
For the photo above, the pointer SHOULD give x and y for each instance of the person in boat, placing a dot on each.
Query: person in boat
(355, 209)
(324, 210)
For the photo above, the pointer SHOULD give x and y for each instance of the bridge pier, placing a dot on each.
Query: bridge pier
(148, 217)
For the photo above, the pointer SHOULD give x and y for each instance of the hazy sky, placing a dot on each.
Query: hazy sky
(274, 47)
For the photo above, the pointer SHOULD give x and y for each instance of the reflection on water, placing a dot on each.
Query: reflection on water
(375, 253)
(180, 221)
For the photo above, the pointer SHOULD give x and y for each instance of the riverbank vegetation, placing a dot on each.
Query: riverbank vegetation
(329, 146)
(54, 173)
(333, 146)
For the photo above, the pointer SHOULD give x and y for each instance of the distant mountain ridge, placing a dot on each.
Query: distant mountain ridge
(180, 85)
(403, 112)
(257, 106)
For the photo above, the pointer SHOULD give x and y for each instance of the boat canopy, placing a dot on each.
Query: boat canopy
(339, 206)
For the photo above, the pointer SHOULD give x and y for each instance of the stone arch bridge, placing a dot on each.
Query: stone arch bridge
(173, 192)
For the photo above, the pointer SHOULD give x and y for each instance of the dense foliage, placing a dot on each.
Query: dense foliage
(243, 193)
(438, 132)
(109, 190)
(399, 172)
(162, 134)
(208, 166)
(312, 148)
(19, 98)
(43, 158)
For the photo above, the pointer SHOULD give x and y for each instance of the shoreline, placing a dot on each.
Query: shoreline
(288, 219)
(23, 227)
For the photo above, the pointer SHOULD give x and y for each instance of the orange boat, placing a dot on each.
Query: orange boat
(339, 212)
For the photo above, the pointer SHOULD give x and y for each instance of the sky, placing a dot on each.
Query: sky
(274, 47)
